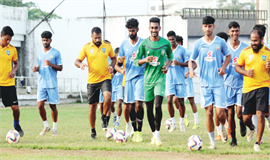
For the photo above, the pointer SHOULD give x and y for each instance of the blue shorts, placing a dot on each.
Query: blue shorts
(179, 90)
(49, 94)
(213, 95)
(190, 90)
(134, 90)
(233, 96)
(117, 93)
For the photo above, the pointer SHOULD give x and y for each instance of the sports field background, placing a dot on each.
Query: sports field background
(74, 134)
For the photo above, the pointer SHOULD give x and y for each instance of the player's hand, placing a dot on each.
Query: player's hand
(123, 72)
(250, 73)
(164, 70)
(186, 74)
(221, 71)
(192, 74)
(149, 59)
(267, 65)
(11, 74)
(121, 59)
(82, 66)
(174, 62)
(47, 62)
(34, 69)
(110, 69)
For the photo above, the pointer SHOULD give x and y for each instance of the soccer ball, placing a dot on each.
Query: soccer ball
(194, 143)
(120, 136)
(13, 137)
(168, 123)
(110, 133)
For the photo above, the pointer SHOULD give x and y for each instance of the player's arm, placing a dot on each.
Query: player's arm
(175, 62)
(138, 61)
(35, 69)
(224, 66)
(240, 70)
(56, 67)
(194, 66)
(11, 74)
(78, 61)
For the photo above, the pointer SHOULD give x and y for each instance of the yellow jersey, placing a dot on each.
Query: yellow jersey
(8, 54)
(97, 59)
(251, 60)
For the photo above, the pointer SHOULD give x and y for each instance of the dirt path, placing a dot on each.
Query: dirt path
(125, 154)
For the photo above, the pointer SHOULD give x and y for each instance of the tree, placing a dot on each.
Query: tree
(34, 13)
(235, 4)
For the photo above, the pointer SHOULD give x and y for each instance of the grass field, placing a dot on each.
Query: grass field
(73, 141)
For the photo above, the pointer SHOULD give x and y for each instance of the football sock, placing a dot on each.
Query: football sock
(181, 120)
(218, 130)
(140, 114)
(255, 121)
(228, 127)
(118, 119)
(150, 114)
(157, 133)
(154, 134)
(55, 125)
(108, 119)
(46, 124)
(93, 130)
(132, 116)
(196, 119)
(222, 127)
(16, 123)
(173, 119)
(158, 116)
(212, 136)
(233, 137)
(114, 114)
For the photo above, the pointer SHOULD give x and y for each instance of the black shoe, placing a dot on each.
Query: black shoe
(233, 144)
(19, 129)
(104, 123)
(243, 129)
(93, 136)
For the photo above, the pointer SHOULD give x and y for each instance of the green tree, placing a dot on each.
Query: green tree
(234, 4)
(34, 13)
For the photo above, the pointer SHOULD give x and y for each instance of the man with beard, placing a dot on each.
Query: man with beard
(99, 75)
(134, 93)
(210, 49)
(154, 50)
(233, 82)
(49, 62)
(254, 64)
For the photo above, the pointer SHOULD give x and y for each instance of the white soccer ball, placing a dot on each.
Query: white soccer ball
(13, 136)
(120, 136)
(168, 124)
(110, 133)
(195, 143)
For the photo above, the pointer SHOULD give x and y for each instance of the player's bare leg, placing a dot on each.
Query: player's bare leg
(260, 126)
(248, 122)
(218, 137)
(106, 107)
(221, 115)
(171, 111)
(54, 113)
(227, 125)
(179, 103)
(92, 119)
(16, 116)
(210, 126)
(119, 112)
(243, 129)
(231, 121)
(139, 117)
(126, 115)
(43, 116)
(132, 115)
(195, 112)
(101, 107)
(114, 113)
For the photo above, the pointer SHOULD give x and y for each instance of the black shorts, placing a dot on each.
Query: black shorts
(93, 90)
(256, 100)
(8, 95)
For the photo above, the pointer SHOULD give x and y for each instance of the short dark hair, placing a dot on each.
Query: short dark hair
(97, 30)
(155, 20)
(223, 35)
(107, 41)
(260, 32)
(179, 39)
(234, 25)
(116, 50)
(46, 34)
(171, 33)
(132, 23)
(208, 20)
(7, 31)
(261, 27)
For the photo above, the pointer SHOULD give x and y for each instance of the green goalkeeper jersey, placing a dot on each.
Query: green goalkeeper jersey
(159, 50)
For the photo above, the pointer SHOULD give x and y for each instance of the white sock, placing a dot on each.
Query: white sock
(267, 119)
(154, 134)
(114, 114)
(222, 127)
(55, 125)
(157, 133)
(218, 130)
(173, 119)
(255, 121)
(228, 127)
(46, 124)
(196, 119)
(181, 120)
(212, 137)
(128, 123)
(118, 119)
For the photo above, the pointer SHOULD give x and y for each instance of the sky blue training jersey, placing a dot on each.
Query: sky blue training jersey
(176, 73)
(130, 51)
(117, 78)
(188, 54)
(47, 77)
(231, 77)
(210, 59)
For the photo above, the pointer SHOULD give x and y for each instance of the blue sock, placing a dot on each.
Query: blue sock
(16, 123)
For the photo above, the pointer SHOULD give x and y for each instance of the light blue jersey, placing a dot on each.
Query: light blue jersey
(130, 51)
(176, 73)
(231, 77)
(47, 77)
(188, 80)
(210, 59)
(117, 80)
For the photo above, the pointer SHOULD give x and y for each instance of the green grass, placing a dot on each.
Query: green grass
(74, 133)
